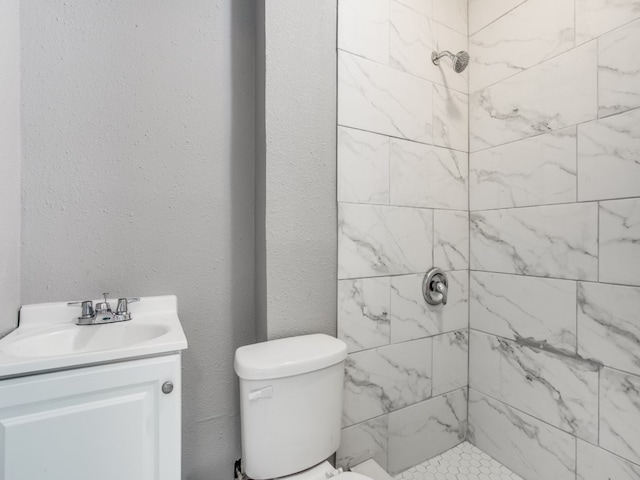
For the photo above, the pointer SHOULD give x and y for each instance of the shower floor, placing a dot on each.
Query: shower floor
(464, 462)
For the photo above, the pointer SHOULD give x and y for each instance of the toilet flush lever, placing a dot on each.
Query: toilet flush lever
(266, 392)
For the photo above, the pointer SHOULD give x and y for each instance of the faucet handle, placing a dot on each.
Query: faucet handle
(442, 288)
(87, 308)
(123, 304)
(105, 306)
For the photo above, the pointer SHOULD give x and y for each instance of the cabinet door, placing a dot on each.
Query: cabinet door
(109, 422)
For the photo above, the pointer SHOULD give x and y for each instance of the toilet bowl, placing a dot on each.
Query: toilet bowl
(291, 407)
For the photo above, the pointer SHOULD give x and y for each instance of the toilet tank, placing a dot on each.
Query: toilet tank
(290, 403)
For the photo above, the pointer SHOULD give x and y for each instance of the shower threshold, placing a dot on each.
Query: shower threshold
(464, 462)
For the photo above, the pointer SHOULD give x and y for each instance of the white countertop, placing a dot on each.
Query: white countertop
(48, 338)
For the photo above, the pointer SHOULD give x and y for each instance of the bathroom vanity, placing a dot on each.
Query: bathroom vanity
(92, 401)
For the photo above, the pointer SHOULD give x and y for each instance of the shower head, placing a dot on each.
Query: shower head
(460, 60)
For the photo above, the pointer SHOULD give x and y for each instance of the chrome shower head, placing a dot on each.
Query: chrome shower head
(460, 60)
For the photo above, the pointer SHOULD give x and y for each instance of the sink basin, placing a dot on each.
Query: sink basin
(48, 338)
(81, 339)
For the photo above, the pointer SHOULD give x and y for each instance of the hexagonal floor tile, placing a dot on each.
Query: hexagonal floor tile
(463, 462)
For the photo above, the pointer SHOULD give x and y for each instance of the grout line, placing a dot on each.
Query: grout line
(492, 272)
(433, 347)
(524, 413)
(597, 40)
(496, 19)
(600, 35)
(544, 60)
(402, 408)
(469, 151)
(552, 426)
(575, 458)
(556, 278)
(404, 72)
(403, 206)
(618, 370)
(480, 211)
(577, 316)
(598, 241)
(421, 272)
(404, 139)
(426, 337)
(593, 120)
(599, 391)
(559, 354)
(467, 434)
(433, 237)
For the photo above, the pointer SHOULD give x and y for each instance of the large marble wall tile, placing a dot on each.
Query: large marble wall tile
(427, 429)
(363, 167)
(412, 39)
(452, 13)
(595, 17)
(620, 414)
(363, 312)
(484, 12)
(423, 7)
(451, 239)
(427, 176)
(364, 441)
(380, 99)
(620, 241)
(385, 379)
(608, 152)
(411, 317)
(597, 464)
(450, 118)
(450, 361)
(376, 240)
(619, 70)
(522, 38)
(609, 326)
(520, 307)
(556, 389)
(554, 94)
(556, 241)
(529, 447)
(363, 28)
(539, 170)
(453, 41)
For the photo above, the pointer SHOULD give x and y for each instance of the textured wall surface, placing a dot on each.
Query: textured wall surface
(138, 179)
(402, 208)
(9, 164)
(554, 182)
(299, 169)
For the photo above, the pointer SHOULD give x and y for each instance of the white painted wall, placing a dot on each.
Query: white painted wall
(9, 164)
(138, 122)
(299, 243)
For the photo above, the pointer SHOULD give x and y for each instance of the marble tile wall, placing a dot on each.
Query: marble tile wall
(403, 207)
(554, 195)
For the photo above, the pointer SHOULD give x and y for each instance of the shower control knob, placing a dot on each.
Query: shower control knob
(167, 387)
(435, 287)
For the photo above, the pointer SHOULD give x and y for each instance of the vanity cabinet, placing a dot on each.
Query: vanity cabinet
(105, 422)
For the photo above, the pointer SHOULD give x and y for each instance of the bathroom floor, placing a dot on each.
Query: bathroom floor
(464, 462)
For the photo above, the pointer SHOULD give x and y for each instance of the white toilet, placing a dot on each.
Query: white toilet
(291, 407)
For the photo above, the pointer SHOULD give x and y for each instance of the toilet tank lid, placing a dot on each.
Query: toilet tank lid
(288, 356)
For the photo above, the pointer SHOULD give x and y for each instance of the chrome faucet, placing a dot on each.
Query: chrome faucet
(102, 312)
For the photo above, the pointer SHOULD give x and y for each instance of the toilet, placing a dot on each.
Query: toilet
(291, 407)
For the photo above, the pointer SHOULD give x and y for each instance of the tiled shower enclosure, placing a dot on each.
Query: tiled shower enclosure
(521, 178)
